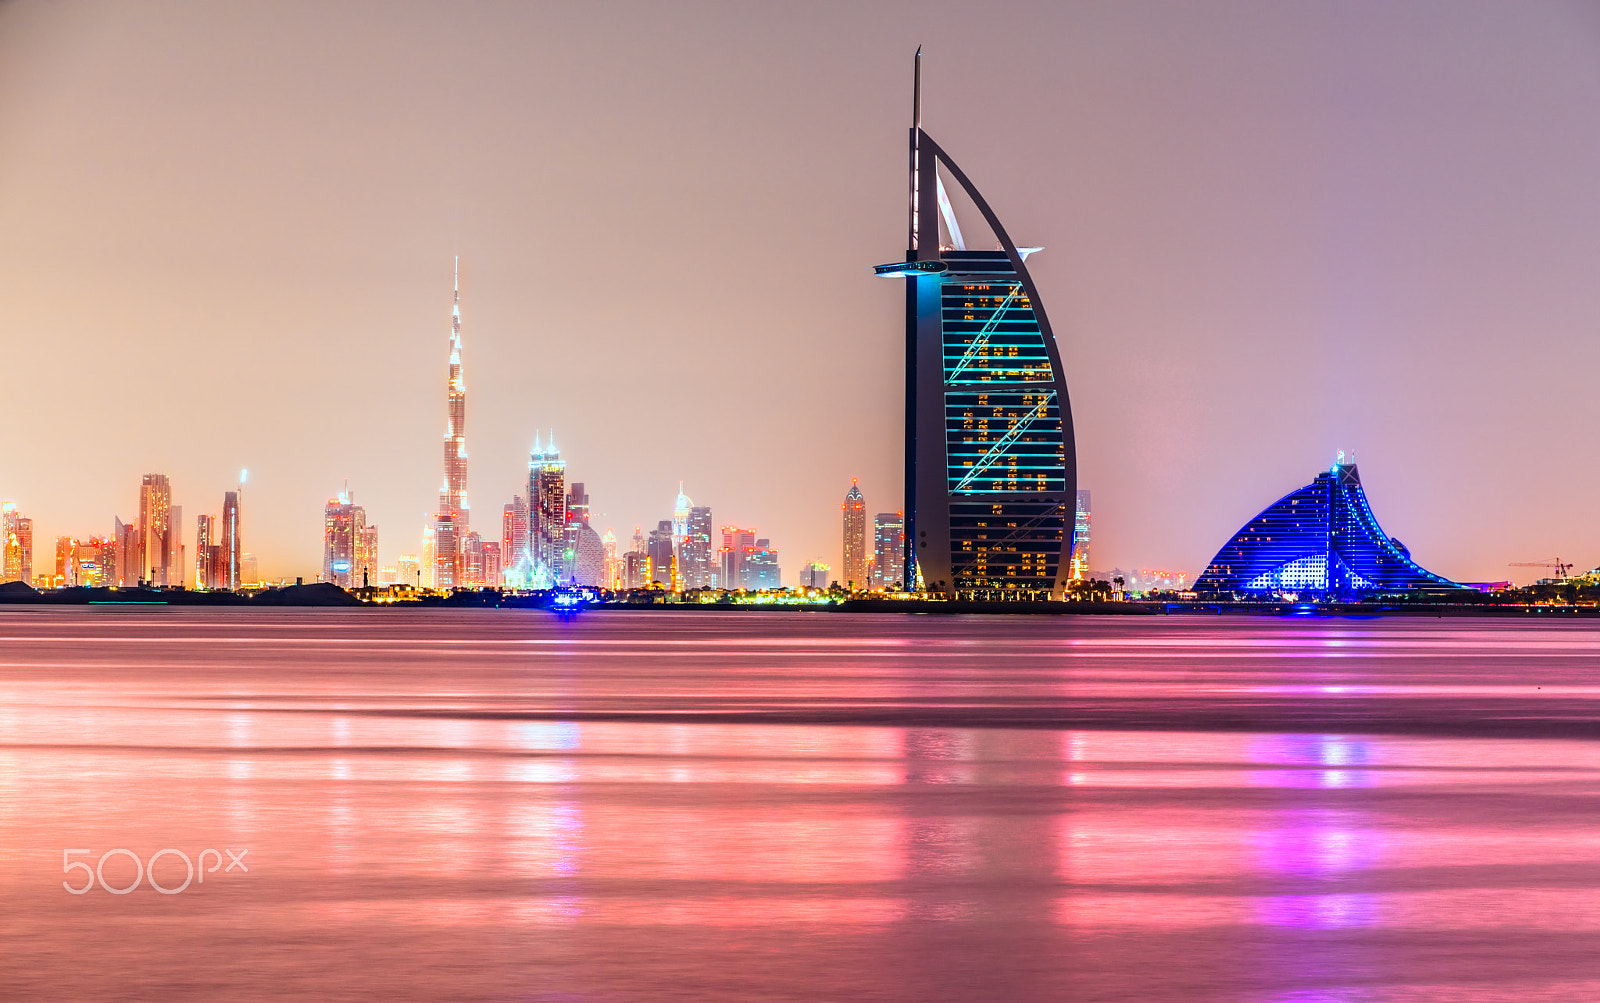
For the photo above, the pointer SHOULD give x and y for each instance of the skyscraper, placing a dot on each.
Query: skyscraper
(761, 569)
(17, 539)
(126, 538)
(888, 548)
(155, 504)
(516, 557)
(176, 560)
(445, 548)
(736, 544)
(205, 552)
(232, 568)
(814, 575)
(547, 513)
(853, 574)
(453, 495)
(663, 563)
(1079, 569)
(694, 549)
(366, 570)
(991, 463)
(342, 525)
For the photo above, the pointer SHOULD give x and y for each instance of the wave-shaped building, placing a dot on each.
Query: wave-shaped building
(991, 466)
(1320, 540)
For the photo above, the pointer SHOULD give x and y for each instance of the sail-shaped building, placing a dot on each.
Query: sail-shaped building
(991, 465)
(1321, 540)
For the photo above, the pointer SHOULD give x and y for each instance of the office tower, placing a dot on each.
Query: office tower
(735, 543)
(339, 536)
(493, 564)
(205, 552)
(854, 573)
(814, 575)
(127, 541)
(694, 549)
(366, 570)
(1320, 540)
(155, 510)
(446, 552)
(1079, 568)
(991, 463)
(637, 545)
(408, 570)
(16, 535)
(249, 572)
(663, 566)
(232, 570)
(761, 569)
(453, 495)
(514, 554)
(547, 513)
(889, 551)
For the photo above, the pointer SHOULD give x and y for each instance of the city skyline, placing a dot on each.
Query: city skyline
(1359, 251)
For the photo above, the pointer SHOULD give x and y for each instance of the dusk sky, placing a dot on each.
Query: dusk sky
(1271, 231)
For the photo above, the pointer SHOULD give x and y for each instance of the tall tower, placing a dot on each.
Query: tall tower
(991, 471)
(232, 569)
(450, 524)
(854, 572)
(155, 504)
(547, 513)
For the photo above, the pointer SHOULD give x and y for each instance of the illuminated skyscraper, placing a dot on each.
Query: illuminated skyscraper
(814, 575)
(991, 463)
(514, 555)
(155, 504)
(472, 565)
(547, 513)
(177, 561)
(205, 552)
(663, 560)
(1080, 539)
(888, 550)
(736, 544)
(232, 568)
(17, 538)
(249, 572)
(446, 552)
(853, 575)
(453, 496)
(694, 546)
(342, 525)
(408, 570)
(761, 569)
(366, 570)
(613, 569)
(493, 564)
(127, 542)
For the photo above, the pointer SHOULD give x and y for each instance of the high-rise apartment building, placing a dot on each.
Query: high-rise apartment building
(17, 541)
(228, 539)
(446, 552)
(547, 513)
(177, 555)
(493, 564)
(888, 550)
(155, 512)
(1079, 568)
(853, 573)
(126, 538)
(472, 569)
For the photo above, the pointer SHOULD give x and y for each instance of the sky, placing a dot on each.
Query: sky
(1272, 231)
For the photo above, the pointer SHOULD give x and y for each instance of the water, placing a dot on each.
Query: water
(643, 806)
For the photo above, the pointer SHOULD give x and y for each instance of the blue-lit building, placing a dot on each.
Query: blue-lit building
(991, 465)
(1321, 540)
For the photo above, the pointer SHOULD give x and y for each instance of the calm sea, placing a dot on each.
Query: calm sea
(640, 806)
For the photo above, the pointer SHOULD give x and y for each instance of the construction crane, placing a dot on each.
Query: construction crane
(1555, 562)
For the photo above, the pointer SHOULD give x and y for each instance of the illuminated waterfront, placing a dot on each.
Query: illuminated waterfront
(502, 804)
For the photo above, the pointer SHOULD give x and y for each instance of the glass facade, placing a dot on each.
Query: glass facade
(1321, 540)
(1005, 447)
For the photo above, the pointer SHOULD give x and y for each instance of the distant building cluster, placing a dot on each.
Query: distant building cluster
(149, 552)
